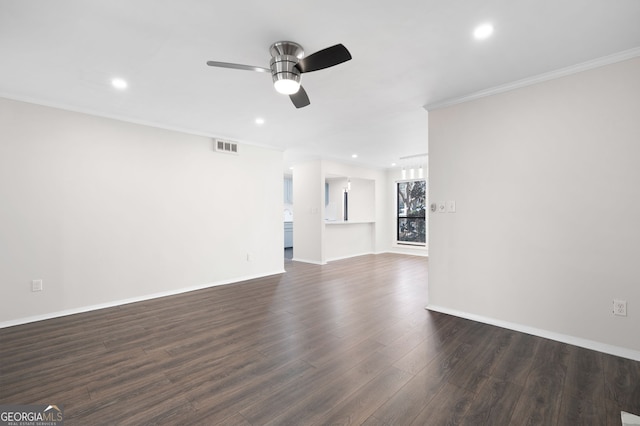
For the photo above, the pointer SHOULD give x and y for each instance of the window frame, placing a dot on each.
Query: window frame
(408, 217)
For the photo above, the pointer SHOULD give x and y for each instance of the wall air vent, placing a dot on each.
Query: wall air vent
(225, 146)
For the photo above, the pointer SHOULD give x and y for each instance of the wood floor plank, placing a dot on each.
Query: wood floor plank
(140, 407)
(199, 389)
(226, 402)
(541, 398)
(518, 358)
(356, 408)
(442, 366)
(494, 404)
(275, 404)
(373, 421)
(622, 382)
(482, 359)
(575, 411)
(585, 377)
(448, 407)
(344, 343)
(417, 358)
(408, 402)
(314, 407)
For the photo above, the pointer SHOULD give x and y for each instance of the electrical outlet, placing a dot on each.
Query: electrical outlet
(620, 307)
(36, 285)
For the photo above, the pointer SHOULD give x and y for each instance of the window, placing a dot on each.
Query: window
(412, 198)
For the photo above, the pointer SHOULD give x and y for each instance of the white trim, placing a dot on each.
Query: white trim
(409, 180)
(410, 253)
(361, 254)
(314, 262)
(131, 300)
(349, 222)
(333, 259)
(125, 119)
(562, 72)
(559, 337)
(399, 244)
(403, 245)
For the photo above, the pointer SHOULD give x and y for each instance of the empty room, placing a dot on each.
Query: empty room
(319, 213)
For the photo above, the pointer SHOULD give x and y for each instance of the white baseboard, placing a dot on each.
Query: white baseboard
(314, 262)
(333, 259)
(409, 253)
(559, 337)
(121, 302)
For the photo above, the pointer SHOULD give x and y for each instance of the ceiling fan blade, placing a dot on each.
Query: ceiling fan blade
(300, 98)
(324, 58)
(237, 66)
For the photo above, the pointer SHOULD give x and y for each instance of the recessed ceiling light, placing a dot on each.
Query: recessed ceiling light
(119, 83)
(483, 31)
(259, 121)
(393, 164)
(354, 155)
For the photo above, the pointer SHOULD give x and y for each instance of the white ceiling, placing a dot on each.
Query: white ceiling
(406, 54)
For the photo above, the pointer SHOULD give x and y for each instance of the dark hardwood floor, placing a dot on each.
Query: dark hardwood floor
(345, 343)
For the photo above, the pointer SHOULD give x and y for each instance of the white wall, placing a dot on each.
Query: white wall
(308, 202)
(361, 199)
(348, 239)
(378, 213)
(547, 230)
(105, 211)
(334, 211)
(309, 242)
(356, 236)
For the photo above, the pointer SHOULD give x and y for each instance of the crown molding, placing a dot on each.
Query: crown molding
(562, 72)
(124, 119)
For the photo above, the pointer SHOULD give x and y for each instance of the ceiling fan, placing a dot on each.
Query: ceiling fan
(288, 62)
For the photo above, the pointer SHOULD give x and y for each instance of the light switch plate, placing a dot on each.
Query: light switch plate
(451, 206)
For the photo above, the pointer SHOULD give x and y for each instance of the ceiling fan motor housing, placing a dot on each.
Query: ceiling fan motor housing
(283, 67)
(284, 57)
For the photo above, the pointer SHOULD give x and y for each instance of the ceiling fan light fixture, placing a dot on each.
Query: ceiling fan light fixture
(288, 62)
(286, 77)
(287, 86)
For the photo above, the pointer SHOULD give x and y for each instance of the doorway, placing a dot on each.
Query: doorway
(288, 217)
